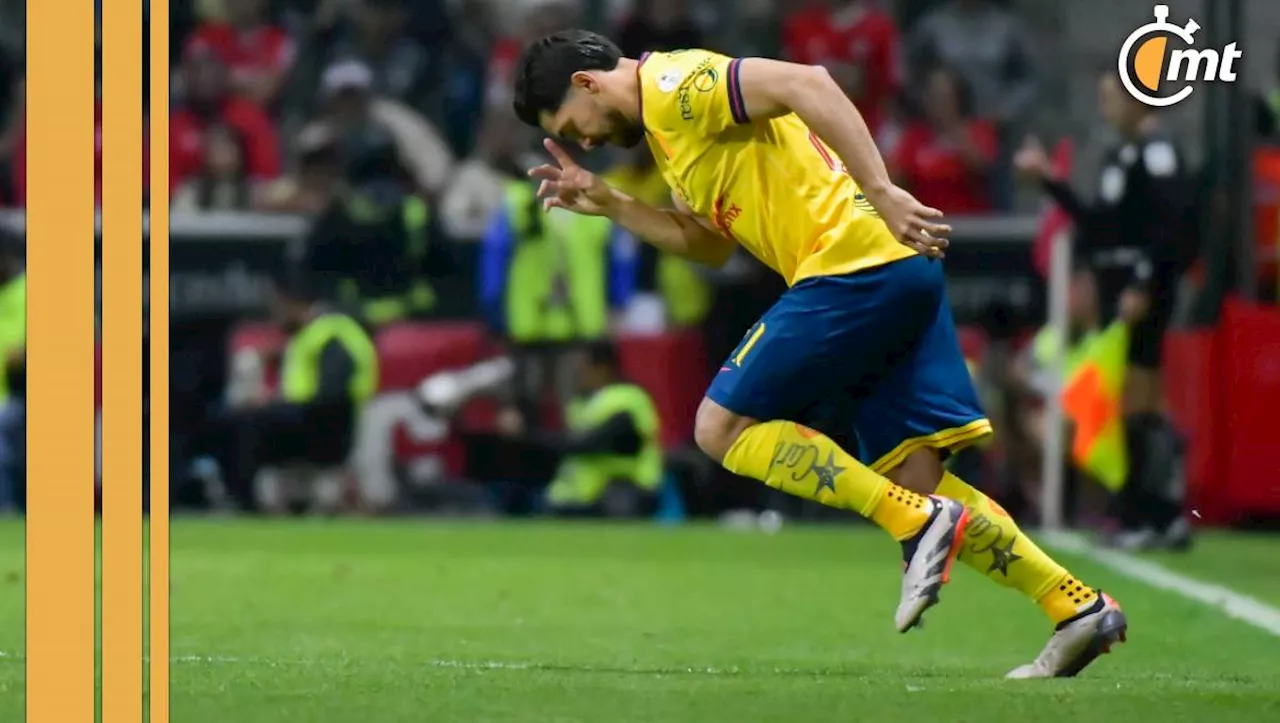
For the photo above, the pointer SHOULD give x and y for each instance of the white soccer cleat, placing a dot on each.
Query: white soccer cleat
(1078, 641)
(927, 560)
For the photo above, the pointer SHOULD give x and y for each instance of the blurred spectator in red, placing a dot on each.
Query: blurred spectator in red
(375, 32)
(316, 182)
(657, 25)
(380, 138)
(857, 41)
(988, 45)
(944, 157)
(993, 50)
(207, 103)
(258, 52)
(221, 184)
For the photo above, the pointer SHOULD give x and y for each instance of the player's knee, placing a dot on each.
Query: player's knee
(920, 472)
(715, 429)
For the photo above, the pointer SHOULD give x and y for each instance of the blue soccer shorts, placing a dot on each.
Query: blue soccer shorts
(870, 359)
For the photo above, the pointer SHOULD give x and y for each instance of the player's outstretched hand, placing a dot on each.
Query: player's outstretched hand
(914, 224)
(565, 184)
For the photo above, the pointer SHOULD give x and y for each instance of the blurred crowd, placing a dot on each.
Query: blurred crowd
(388, 122)
(277, 106)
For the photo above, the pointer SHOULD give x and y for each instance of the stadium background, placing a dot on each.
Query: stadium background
(448, 66)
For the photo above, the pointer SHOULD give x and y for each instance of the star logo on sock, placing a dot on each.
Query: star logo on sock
(1003, 556)
(827, 473)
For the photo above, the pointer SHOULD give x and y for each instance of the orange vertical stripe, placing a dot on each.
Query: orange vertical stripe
(60, 349)
(159, 325)
(121, 361)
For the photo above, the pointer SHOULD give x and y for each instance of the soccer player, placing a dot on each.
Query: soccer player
(852, 389)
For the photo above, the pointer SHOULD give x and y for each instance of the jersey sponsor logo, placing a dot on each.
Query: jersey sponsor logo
(724, 214)
(686, 106)
(697, 79)
(706, 80)
(669, 81)
(1158, 74)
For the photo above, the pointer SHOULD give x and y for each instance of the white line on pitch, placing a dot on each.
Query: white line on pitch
(489, 665)
(1227, 601)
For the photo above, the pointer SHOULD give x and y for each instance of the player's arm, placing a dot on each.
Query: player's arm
(676, 231)
(772, 88)
(568, 185)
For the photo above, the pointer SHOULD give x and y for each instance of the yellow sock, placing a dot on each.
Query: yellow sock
(805, 463)
(996, 547)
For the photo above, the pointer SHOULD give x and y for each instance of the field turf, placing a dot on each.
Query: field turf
(390, 622)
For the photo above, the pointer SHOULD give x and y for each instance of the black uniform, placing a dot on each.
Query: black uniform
(1139, 233)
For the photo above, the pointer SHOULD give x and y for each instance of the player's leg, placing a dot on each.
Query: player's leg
(816, 341)
(804, 462)
(1151, 502)
(927, 406)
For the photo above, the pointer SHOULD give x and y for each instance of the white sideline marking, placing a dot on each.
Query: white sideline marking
(1225, 600)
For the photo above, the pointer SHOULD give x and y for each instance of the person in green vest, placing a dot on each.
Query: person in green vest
(13, 349)
(610, 455)
(1084, 320)
(549, 281)
(328, 370)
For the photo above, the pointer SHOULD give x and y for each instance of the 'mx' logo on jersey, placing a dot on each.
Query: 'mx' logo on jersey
(725, 214)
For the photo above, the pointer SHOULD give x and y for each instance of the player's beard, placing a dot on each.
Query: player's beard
(628, 134)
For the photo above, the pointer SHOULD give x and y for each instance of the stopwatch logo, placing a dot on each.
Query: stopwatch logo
(1159, 75)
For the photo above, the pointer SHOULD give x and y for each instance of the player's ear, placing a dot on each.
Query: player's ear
(586, 81)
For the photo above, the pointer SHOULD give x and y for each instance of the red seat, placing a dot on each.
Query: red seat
(261, 335)
(673, 368)
(1250, 376)
(412, 351)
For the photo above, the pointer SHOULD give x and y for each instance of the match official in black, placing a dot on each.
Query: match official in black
(1139, 236)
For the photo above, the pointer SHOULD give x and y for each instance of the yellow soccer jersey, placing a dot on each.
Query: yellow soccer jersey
(771, 185)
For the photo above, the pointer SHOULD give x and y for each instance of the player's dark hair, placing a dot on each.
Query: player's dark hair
(546, 66)
(603, 353)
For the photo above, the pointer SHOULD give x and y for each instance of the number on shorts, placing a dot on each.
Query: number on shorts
(749, 341)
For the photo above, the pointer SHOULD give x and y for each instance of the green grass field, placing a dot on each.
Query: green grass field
(341, 622)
